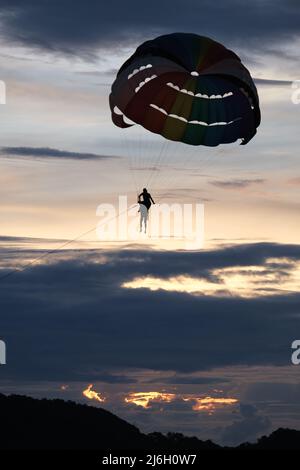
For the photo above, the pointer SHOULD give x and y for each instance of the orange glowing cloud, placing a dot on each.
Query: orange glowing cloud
(92, 395)
(143, 399)
(209, 404)
(241, 281)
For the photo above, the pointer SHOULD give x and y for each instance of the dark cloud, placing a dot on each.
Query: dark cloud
(286, 393)
(80, 28)
(189, 380)
(115, 379)
(46, 152)
(70, 319)
(95, 73)
(248, 427)
(266, 81)
(237, 183)
(124, 265)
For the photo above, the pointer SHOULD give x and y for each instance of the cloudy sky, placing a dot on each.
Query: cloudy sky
(203, 337)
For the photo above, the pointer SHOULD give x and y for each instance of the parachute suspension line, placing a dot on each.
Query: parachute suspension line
(141, 160)
(141, 155)
(129, 158)
(172, 156)
(147, 139)
(176, 148)
(158, 161)
(136, 159)
(171, 159)
(135, 154)
(139, 167)
(209, 159)
(154, 163)
(139, 147)
(142, 168)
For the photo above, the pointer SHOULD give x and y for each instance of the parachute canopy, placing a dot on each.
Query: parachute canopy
(187, 88)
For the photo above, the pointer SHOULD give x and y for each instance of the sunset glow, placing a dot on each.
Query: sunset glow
(240, 281)
(143, 399)
(207, 403)
(210, 404)
(150, 229)
(92, 394)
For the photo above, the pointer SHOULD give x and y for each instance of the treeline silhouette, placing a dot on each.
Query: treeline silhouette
(28, 423)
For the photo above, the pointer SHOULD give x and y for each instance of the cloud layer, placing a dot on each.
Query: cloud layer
(96, 24)
(46, 152)
(71, 319)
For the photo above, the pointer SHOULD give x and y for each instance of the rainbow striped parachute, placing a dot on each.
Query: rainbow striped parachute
(187, 88)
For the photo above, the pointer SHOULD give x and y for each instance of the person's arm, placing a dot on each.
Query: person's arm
(151, 198)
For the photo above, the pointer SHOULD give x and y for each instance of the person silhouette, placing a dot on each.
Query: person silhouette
(147, 199)
(145, 205)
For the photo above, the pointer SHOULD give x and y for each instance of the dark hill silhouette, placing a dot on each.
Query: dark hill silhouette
(28, 423)
(281, 439)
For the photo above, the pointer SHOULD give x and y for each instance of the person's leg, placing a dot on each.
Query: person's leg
(141, 220)
(146, 219)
